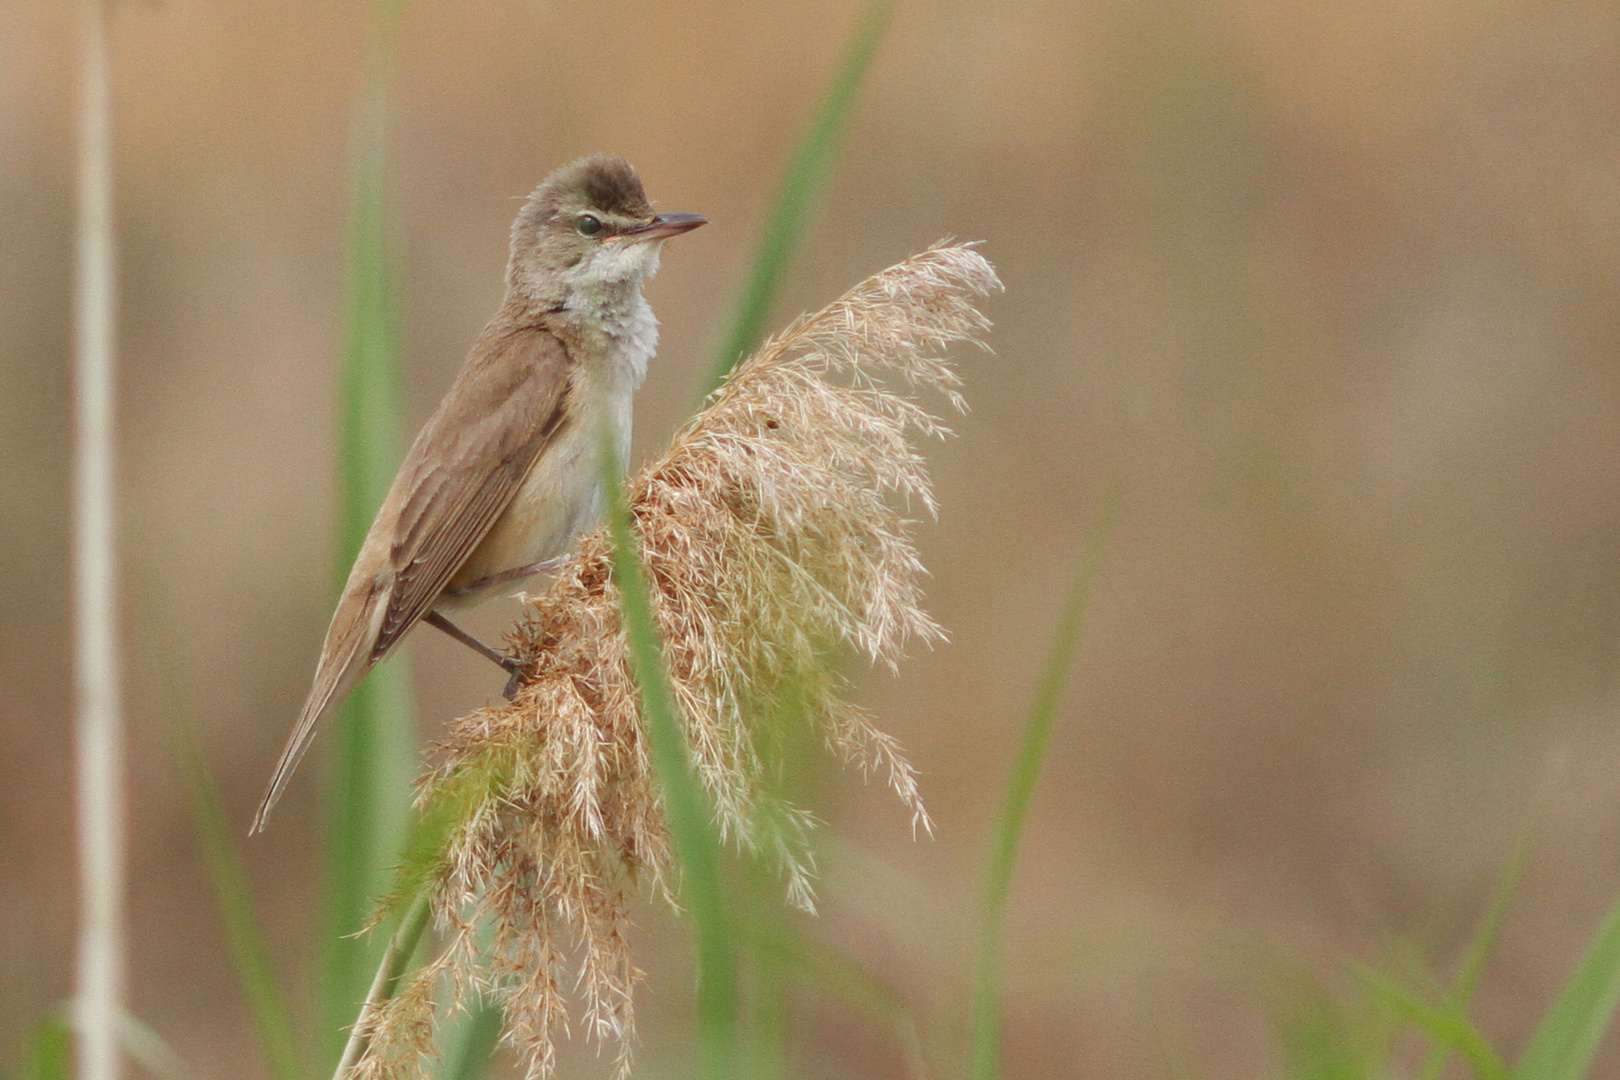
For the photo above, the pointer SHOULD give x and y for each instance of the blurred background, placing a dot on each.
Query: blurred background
(1328, 291)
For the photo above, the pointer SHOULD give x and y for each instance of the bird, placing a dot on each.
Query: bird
(506, 472)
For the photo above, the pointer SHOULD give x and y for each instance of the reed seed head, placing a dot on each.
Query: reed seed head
(775, 538)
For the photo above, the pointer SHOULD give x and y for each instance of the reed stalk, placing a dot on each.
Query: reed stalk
(99, 1007)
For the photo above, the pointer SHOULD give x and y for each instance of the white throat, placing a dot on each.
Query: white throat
(604, 297)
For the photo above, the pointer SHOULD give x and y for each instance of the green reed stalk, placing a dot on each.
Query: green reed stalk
(1446, 1023)
(396, 958)
(1568, 1037)
(686, 806)
(376, 746)
(1020, 788)
(1479, 950)
(252, 959)
(49, 1051)
(796, 194)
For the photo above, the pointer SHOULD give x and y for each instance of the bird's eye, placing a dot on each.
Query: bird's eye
(588, 225)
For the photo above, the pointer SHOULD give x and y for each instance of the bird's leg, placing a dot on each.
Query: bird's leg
(517, 573)
(506, 663)
(435, 619)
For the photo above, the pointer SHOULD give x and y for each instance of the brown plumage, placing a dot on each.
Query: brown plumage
(505, 472)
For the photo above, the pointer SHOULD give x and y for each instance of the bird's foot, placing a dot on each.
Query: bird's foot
(514, 668)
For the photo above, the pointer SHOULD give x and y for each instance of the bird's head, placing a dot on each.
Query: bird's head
(588, 231)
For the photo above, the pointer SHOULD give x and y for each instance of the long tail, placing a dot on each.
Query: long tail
(346, 656)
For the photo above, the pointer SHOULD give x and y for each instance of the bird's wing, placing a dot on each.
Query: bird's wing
(460, 491)
(507, 403)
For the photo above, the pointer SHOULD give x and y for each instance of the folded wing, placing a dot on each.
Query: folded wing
(510, 399)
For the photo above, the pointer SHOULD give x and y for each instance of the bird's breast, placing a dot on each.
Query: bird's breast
(560, 497)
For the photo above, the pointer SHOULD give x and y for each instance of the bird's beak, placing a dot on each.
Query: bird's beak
(664, 226)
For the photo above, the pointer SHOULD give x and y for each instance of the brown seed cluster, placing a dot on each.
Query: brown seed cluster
(775, 540)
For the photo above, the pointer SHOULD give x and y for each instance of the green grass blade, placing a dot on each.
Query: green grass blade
(1020, 787)
(686, 806)
(770, 979)
(766, 980)
(812, 161)
(269, 1009)
(375, 751)
(1567, 1039)
(50, 1051)
(1444, 1023)
(1321, 1038)
(1479, 950)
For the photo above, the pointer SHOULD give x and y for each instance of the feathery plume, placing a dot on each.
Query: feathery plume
(774, 537)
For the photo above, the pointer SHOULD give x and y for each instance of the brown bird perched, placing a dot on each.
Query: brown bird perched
(506, 471)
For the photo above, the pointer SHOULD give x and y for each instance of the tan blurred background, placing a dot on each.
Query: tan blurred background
(1331, 291)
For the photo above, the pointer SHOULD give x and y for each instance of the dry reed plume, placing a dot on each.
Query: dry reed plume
(772, 540)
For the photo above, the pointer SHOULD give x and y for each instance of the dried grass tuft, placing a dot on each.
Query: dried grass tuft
(774, 538)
